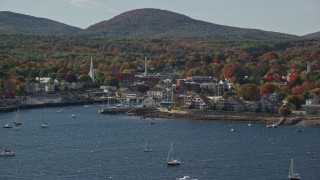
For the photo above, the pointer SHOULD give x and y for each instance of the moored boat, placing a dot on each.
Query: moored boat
(293, 175)
(170, 160)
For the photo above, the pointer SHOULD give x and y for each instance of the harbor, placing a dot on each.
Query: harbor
(105, 146)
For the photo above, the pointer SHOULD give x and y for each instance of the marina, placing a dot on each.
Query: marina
(104, 146)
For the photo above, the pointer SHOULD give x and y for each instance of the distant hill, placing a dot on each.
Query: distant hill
(313, 35)
(12, 23)
(156, 23)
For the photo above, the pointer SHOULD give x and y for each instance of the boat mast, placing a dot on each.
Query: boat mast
(170, 149)
(291, 169)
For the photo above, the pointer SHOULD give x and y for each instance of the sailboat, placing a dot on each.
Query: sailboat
(6, 152)
(44, 124)
(293, 175)
(15, 120)
(170, 160)
(146, 149)
(86, 105)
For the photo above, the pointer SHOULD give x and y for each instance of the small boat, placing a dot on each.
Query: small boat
(7, 126)
(44, 125)
(170, 160)
(130, 113)
(60, 110)
(74, 115)
(146, 149)
(271, 126)
(15, 119)
(293, 175)
(299, 130)
(5, 152)
(186, 178)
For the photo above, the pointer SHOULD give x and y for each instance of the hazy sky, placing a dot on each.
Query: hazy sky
(297, 17)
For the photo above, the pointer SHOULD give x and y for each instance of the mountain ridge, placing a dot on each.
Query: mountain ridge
(138, 23)
(16, 23)
(312, 35)
(157, 23)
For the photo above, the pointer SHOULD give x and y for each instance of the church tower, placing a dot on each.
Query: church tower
(145, 67)
(308, 68)
(91, 73)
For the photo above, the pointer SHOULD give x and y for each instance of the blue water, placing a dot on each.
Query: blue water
(96, 146)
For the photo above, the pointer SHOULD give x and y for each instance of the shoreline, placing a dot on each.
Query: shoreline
(229, 116)
(12, 108)
(191, 114)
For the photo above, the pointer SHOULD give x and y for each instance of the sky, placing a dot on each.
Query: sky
(298, 17)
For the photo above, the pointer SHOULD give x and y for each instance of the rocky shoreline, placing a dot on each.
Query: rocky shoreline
(231, 117)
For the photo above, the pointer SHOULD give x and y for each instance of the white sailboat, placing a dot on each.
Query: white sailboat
(146, 149)
(293, 175)
(170, 160)
(15, 120)
(6, 152)
(44, 124)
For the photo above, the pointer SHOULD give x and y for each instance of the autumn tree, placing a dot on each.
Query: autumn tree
(248, 92)
(296, 101)
(71, 77)
(267, 88)
(283, 111)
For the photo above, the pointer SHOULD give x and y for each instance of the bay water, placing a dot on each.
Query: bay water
(98, 146)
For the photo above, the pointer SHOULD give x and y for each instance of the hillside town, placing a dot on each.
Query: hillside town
(152, 90)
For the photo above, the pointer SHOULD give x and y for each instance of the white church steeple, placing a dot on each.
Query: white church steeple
(308, 68)
(91, 73)
(145, 66)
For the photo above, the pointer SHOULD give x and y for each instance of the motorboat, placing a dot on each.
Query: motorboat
(7, 153)
(186, 178)
(44, 125)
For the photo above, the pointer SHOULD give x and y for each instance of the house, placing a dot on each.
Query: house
(252, 106)
(199, 102)
(156, 93)
(50, 88)
(200, 79)
(208, 102)
(109, 89)
(268, 105)
(219, 105)
(233, 103)
(312, 106)
(129, 94)
(38, 87)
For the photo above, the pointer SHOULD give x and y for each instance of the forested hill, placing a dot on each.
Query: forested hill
(313, 35)
(14, 23)
(140, 23)
(156, 23)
